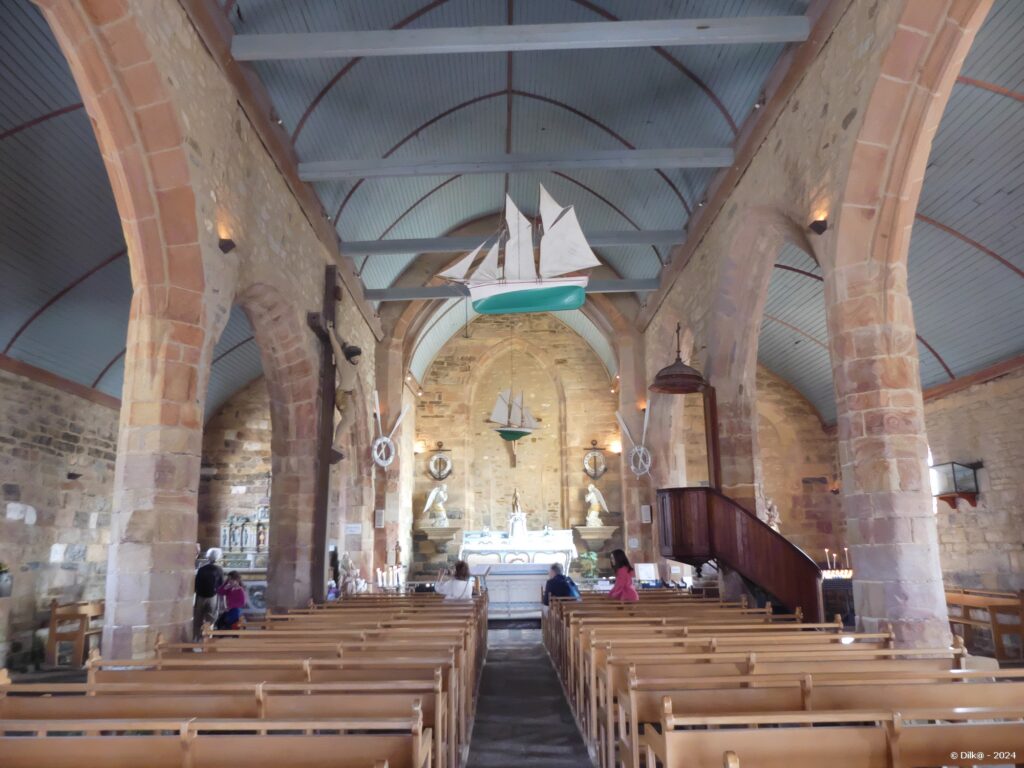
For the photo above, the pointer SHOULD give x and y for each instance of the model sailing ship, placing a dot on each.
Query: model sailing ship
(513, 418)
(516, 286)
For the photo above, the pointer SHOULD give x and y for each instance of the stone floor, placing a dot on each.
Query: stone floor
(522, 717)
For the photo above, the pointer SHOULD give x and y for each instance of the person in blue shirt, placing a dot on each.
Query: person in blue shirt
(559, 585)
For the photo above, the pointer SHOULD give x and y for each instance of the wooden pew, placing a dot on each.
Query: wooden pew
(880, 738)
(206, 671)
(642, 701)
(73, 623)
(402, 742)
(994, 605)
(265, 701)
(618, 670)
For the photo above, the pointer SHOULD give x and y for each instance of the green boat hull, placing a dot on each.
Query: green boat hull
(511, 435)
(557, 298)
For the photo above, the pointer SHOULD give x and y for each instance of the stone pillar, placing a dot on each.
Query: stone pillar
(737, 432)
(883, 449)
(154, 521)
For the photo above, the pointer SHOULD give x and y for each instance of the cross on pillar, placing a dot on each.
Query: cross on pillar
(321, 322)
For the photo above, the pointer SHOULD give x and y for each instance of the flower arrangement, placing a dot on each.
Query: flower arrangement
(588, 565)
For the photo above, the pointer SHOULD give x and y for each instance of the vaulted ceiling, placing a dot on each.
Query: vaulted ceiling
(66, 288)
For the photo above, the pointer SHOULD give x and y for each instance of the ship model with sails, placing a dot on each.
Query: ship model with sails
(517, 285)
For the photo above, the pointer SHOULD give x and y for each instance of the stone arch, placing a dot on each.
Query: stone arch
(737, 310)
(290, 367)
(891, 526)
(172, 324)
(522, 346)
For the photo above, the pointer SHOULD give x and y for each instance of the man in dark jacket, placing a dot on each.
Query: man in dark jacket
(208, 580)
(559, 585)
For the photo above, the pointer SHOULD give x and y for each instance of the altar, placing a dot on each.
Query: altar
(516, 567)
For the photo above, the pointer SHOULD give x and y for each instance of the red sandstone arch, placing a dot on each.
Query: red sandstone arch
(170, 331)
(882, 444)
(290, 365)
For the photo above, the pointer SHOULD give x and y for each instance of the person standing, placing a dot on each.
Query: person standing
(209, 579)
(623, 589)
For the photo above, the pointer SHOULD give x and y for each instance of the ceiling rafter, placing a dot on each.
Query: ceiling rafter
(991, 87)
(39, 120)
(291, 46)
(616, 239)
(524, 94)
(969, 241)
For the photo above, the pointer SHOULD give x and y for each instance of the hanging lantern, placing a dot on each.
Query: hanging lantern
(678, 378)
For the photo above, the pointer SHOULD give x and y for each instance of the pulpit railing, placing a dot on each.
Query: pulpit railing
(702, 524)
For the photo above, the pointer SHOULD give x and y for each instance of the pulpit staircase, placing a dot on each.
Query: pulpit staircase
(698, 525)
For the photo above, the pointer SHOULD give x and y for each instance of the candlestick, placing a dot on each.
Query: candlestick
(828, 560)
(846, 551)
(835, 557)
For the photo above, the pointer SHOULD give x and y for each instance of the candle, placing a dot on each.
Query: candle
(835, 557)
(846, 552)
(827, 558)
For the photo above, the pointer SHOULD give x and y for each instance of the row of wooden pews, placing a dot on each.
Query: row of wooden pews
(677, 680)
(372, 681)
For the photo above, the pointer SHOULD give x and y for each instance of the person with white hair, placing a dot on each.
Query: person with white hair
(209, 579)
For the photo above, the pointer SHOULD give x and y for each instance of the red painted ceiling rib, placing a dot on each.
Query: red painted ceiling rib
(929, 347)
(973, 243)
(991, 87)
(590, 6)
(41, 119)
(801, 331)
(107, 367)
(351, 63)
(60, 294)
(495, 94)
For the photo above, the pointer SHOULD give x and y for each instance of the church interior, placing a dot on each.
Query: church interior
(339, 338)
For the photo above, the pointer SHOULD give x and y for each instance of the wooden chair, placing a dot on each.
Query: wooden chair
(73, 623)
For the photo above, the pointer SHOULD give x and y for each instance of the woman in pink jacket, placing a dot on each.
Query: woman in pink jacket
(623, 589)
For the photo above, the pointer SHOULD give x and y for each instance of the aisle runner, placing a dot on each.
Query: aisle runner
(522, 715)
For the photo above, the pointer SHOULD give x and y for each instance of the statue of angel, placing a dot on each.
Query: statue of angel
(597, 505)
(772, 516)
(434, 507)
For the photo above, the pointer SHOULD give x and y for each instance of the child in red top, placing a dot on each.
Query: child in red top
(623, 589)
(234, 600)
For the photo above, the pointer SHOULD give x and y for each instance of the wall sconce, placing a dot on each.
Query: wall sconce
(226, 245)
(818, 226)
(420, 446)
(615, 446)
(953, 480)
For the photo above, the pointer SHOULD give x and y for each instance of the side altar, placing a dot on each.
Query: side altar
(245, 544)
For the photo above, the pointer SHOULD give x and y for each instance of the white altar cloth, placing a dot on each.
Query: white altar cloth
(543, 547)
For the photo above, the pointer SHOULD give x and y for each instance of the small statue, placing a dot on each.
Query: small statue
(772, 516)
(517, 521)
(597, 505)
(351, 582)
(434, 508)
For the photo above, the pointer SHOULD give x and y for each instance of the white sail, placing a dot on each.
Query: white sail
(459, 269)
(519, 263)
(488, 269)
(529, 422)
(564, 249)
(500, 413)
(515, 417)
(550, 210)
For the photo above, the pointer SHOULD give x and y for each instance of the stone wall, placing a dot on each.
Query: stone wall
(57, 455)
(798, 460)
(235, 474)
(983, 546)
(568, 390)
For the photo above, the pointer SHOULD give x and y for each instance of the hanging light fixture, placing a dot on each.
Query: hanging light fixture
(678, 378)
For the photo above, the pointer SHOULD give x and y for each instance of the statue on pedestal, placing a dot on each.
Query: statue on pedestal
(351, 582)
(597, 504)
(434, 508)
(517, 520)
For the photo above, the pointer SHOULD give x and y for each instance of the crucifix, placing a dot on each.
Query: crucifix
(322, 324)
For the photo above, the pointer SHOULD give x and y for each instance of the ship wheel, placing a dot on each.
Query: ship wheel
(640, 460)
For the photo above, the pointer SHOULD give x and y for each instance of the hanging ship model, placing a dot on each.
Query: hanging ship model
(513, 418)
(517, 286)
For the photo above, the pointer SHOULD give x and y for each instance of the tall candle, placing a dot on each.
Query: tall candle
(828, 559)
(846, 552)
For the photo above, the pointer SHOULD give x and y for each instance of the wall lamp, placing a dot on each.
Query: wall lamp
(818, 226)
(226, 245)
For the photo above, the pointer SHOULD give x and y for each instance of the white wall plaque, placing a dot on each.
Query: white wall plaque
(645, 513)
(353, 529)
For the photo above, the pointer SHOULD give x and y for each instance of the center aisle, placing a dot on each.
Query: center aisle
(522, 714)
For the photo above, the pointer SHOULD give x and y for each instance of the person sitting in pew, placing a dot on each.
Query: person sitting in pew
(459, 586)
(559, 585)
(234, 601)
(623, 589)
